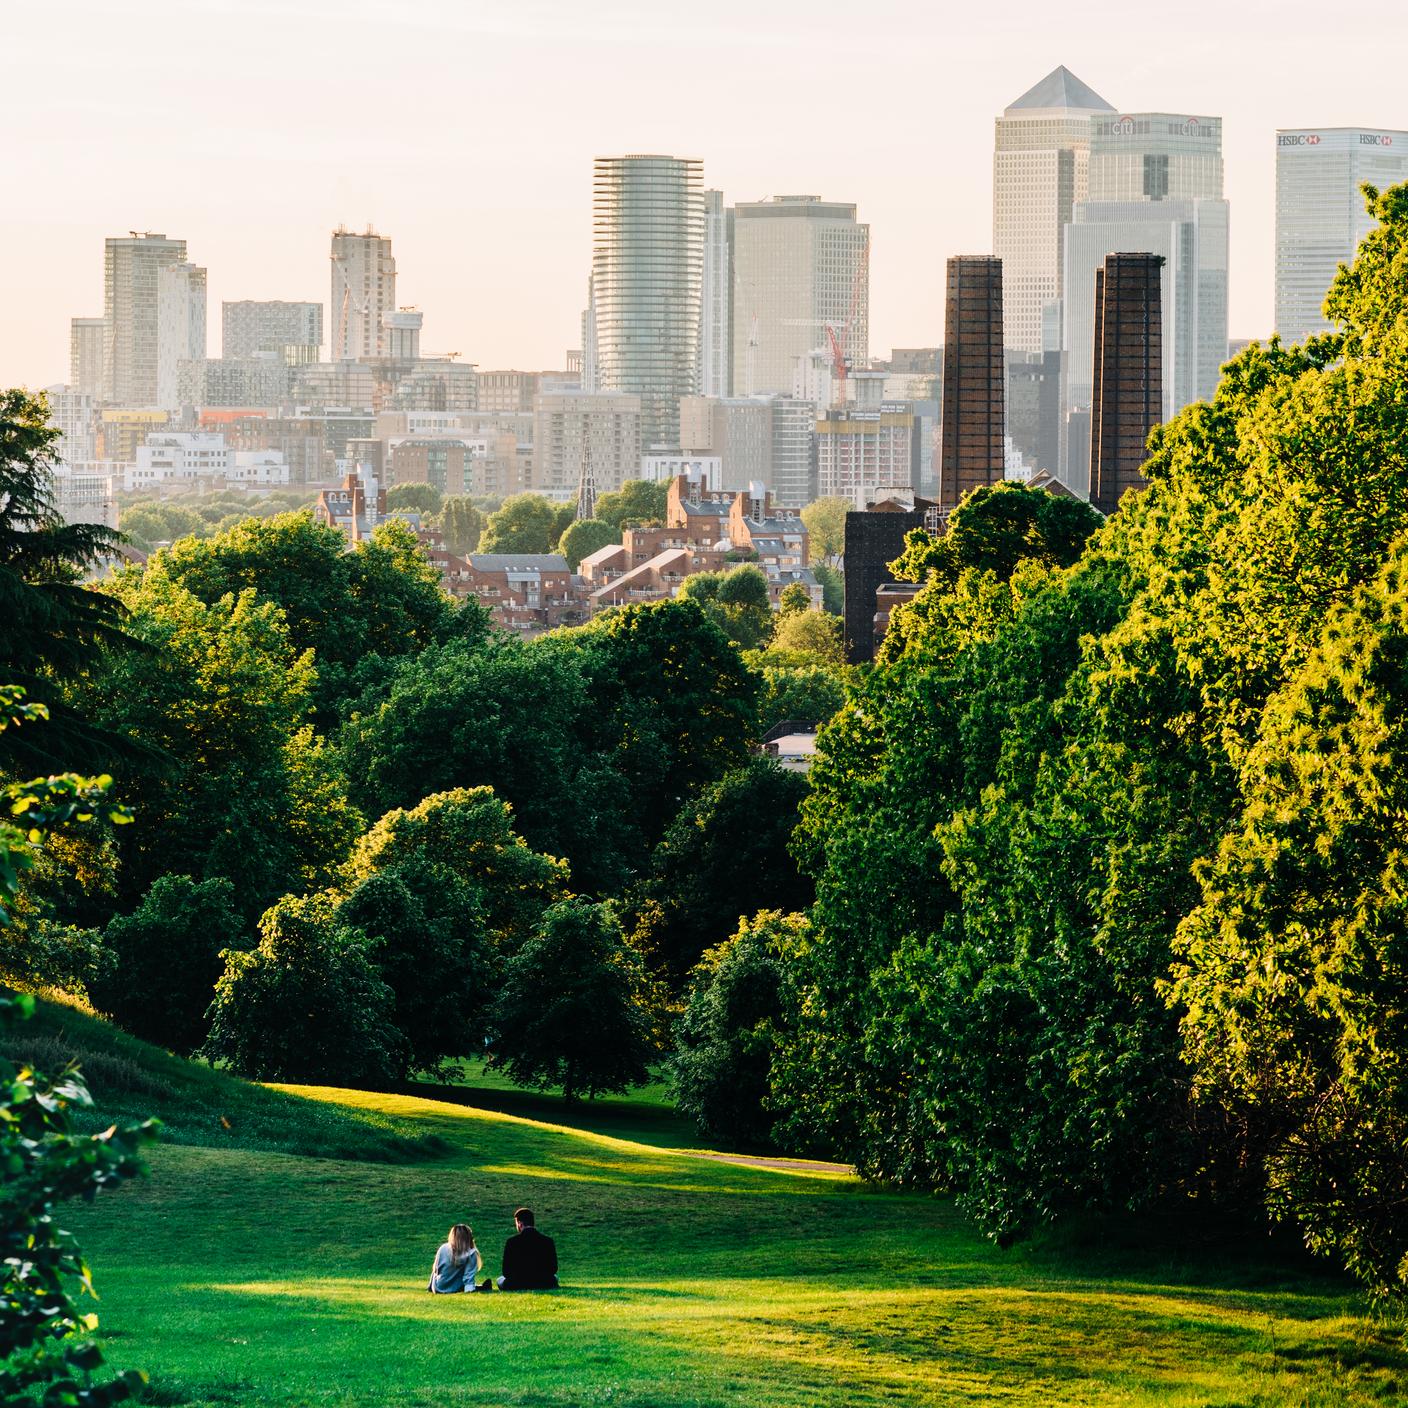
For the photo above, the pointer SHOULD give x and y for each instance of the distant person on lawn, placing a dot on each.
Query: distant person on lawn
(530, 1259)
(456, 1263)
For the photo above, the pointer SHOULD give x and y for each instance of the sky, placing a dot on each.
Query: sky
(465, 130)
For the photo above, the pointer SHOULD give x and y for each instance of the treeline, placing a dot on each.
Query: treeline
(1109, 848)
(369, 834)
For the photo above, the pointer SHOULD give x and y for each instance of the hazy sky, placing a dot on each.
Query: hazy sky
(465, 131)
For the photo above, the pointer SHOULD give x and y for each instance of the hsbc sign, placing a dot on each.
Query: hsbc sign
(1299, 139)
(1373, 139)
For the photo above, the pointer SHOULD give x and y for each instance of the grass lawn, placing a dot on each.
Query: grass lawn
(252, 1276)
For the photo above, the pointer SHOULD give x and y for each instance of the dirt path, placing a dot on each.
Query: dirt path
(760, 1161)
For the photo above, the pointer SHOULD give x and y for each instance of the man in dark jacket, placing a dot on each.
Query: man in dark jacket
(530, 1259)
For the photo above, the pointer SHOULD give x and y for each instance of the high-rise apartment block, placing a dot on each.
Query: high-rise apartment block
(971, 454)
(292, 332)
(87, 339)
(647, 282)
(1128, 393)
(180, 327)
(1320, 215)
(577, 434)
(363, 293)
(1040, 170)
(716, 313)
(860, 453)
(131, 266)
(801, 278)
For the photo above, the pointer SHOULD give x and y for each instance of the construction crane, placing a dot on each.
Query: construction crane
(340, 265)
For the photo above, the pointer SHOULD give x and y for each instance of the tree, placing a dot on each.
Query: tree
(55, 627)
(737, 600)
(571, 1010)
(811, 635)
(382, 599)
(307, 1004)
(825, 522)
(414, 498)
(241, 787)
(833, 588)
(738, 1002)
(795, 598)
(807, 692)
(584, 537)
(46, 1349)
(642, 501)
(461, 524)
(725, 855)
(526, 523)
(162, 960)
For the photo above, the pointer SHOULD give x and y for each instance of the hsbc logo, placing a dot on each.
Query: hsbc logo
(1300, 139)
(1367, 139)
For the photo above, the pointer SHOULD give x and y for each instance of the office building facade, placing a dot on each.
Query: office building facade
(1128, 392)
(87, 339)
(801, 277)
(716, 313)
(293, 332)
(647, 278)
(971, 453)
(1041, 163)
(579, 434)
(131, 266)
(1320, 215)
(180, 327)
(363, 292)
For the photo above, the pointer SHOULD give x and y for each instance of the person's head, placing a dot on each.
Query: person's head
(523, 1217)
(461, 1241)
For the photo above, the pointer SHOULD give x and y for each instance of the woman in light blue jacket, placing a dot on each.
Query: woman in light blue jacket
(457, 1263)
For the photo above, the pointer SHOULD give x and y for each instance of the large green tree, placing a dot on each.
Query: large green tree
(525, 523)
(636, 501)
(584, 537)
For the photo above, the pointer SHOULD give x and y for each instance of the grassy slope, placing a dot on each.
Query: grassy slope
(252, 1277)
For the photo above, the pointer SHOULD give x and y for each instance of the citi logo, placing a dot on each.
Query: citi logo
(1123, 128)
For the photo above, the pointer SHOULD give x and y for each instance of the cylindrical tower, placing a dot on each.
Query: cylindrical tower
(647, 275)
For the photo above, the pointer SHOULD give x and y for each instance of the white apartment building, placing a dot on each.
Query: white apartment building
(131, 266)
(663, 469)
(178, 456)
(87, 339)
(363, 293)
(1040, 170)
(716, 321)
(860, 452)
(293, 332)
(647, 280)
(400, 334)
(257, 469)
(180, 328)
(580, 433)
(86, 492)
(801, 275)
(75, 415)
(1320, 215)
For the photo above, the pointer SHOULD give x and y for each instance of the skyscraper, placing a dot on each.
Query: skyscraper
(801, 275)
(292, 331)
(180, 327)
(87, 338)
(130, 269)
(1040, 170)
(1320, 215)
(363, 293)
(1155, 186)
(974, 380)
(647, 282)
(1128, 374)
(716, 322)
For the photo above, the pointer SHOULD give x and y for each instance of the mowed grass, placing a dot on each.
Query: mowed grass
(245, 1276)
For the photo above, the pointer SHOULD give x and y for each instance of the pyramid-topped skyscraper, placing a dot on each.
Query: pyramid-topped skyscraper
(1041, 160)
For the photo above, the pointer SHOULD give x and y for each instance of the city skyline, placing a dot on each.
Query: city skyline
(497, 256)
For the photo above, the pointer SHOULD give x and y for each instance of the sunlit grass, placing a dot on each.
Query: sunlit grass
(250, 1277)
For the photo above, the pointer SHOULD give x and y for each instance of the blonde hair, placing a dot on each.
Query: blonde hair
(461, 1242)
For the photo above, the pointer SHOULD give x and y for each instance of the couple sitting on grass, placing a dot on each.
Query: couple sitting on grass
(529, 1261)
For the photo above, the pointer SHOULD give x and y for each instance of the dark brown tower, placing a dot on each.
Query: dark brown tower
(974, 409)
(1128, 390)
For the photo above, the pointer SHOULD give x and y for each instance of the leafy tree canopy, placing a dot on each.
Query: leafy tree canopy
(636, 501)
(526, 523)
(584, 537)
(825, 522)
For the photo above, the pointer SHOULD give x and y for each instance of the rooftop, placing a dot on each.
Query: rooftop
(518, 562)
(1060, 89)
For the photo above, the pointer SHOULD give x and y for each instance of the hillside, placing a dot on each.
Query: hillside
(262, 1276)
